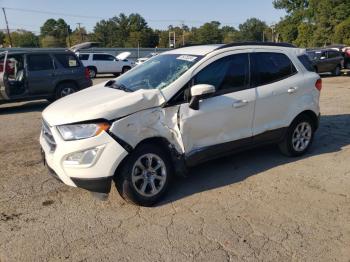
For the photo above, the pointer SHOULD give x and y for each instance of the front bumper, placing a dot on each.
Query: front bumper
(96, 177)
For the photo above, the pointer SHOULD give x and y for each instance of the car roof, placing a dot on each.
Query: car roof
(206, 49)
(38, 51)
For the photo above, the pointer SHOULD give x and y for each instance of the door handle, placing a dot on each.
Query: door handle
(292, 90)
(240, 103)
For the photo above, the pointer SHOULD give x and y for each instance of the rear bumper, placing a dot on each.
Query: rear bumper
(85, 83)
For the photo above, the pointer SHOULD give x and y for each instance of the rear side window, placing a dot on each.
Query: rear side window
(84, 57)
(39, 62)
(305, 60)
(67, 60)
(102, 57)
(270, 67)
(333, 54)
(228, 74)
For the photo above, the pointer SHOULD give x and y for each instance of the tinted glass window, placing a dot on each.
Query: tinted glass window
(270, 67)
(230, 73)
(101, 57)
(67, 60)
(39, 62)
(84, 57)
(305, 60)
(333, 54)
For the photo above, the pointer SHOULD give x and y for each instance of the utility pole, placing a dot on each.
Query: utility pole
(7, 27)
(81, 35)
(68, 34)
(183, 32)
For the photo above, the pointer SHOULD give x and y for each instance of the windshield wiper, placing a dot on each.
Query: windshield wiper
(120, 87)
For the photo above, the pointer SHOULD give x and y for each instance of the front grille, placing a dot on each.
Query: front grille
(48, 136)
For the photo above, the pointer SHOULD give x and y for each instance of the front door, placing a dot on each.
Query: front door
(224, 120)
(40, 74)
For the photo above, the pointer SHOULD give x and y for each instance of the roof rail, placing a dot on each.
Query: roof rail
(256, 44)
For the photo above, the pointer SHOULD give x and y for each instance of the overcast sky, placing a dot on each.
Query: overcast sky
(158, 13)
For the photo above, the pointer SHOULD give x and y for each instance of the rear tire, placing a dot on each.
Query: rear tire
(299, 137)
(92, 72)
(65, 89)
(125, 69)
(337, 71)
(145, 175)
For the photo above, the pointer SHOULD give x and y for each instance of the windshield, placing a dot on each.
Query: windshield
(314, 55)
(156, 73)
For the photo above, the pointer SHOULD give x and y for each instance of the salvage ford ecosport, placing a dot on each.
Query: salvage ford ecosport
(177, 110)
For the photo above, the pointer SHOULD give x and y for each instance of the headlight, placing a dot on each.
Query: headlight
(82, 131)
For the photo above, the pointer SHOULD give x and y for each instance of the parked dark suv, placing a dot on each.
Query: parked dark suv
(326, 61)
(31, 75)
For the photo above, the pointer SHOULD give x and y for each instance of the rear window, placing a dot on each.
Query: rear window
(67, 60)
(39, 62)
(305, 60)
(84, 57)
(103, 57)
(271, 67)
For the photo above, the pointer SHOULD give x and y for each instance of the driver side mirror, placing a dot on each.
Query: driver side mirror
(198, 92)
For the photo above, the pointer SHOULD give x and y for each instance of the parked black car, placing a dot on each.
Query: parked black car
(345, 50)
(31, 75)
(326, 60)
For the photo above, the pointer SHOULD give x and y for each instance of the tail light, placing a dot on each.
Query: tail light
(347, 52)
(87, 73)
(318, 84)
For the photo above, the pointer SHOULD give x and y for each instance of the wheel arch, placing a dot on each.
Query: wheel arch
(312, 115)
(177, 159)
(65, 81)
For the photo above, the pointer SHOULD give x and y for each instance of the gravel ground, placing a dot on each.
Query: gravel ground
(255, 206)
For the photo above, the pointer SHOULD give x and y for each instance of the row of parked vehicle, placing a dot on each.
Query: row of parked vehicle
(331, 59)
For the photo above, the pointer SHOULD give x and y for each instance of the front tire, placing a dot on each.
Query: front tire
(145, 176)
(299, 137)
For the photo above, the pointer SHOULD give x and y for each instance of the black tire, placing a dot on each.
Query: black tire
(125, 181)
(65, 89)
(337, 71)
(287, 147)
(125, 69)
(92, 72)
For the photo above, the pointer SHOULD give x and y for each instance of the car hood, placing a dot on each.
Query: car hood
(123, 56)
(100, 102)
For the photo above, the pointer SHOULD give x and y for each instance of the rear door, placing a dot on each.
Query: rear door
(67, 66)
(40, 74)
(278, 86)
(105, 63)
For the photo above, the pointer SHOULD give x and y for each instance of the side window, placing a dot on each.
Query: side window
(305, 60)
(103, 57)
(333, 54)
(39, 62)
(270, 67)
(67, 60)
(228, 74)
(84, 57)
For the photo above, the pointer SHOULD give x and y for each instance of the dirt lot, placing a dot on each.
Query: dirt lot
(255, 206)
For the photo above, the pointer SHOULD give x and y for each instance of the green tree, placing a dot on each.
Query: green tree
(22, 38)
(2, 38)
(342, 32)
(252, 30)
(209, 33)
(57, 29)
(305, 35)
(50, 42)
(230, 34)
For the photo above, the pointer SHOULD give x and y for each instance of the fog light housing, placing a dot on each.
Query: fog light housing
(83, 158)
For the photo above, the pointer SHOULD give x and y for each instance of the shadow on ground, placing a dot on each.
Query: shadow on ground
(23, 107)
(332, 136)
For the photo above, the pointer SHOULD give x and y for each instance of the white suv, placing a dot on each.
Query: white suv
(103, 63)
(177, 110)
